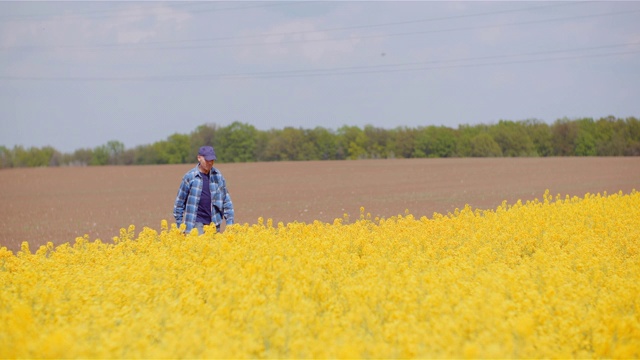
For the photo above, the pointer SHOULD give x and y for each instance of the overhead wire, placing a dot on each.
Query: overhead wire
(118, 12)
(324, 30)
(142, 46)
(354, 70)
(369, 26)
(504, 59)
(378, 36)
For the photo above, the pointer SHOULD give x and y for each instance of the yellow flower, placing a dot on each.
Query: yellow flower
(551, 278)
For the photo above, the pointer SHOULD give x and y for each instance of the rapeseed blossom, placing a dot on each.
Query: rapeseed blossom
(555, 278)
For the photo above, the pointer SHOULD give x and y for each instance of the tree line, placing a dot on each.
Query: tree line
(242, 142)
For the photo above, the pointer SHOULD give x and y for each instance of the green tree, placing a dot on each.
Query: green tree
(82, 157)
(175, 150)
(115, 149)
(203, 135)
(585, 140)
(612, 136)
(100, 156)
(262, 142)
(540, 134)
(633, 126)
(236, 142)
(434, 142)
(309, 149)
(513, 139)
(288, 144)
(128, 157)
(465, 135)
(483, 145)
(241, 142)
(352, 140)
(377, 144)
(6, 160)
(50, 156)
(404, 139)
(633, 146)
(274, 149)
(146, 155)
(422, 142)
(19, 156)
(445, 142)
(585, 145)
(564, 134)
(293, 140)
(325, 143)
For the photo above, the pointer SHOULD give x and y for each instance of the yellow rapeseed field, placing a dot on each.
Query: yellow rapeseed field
(551, 278)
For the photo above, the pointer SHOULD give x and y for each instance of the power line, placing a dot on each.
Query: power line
(491, 57)
(448, 66)
(397, 34)
(117, 12)
(145, 46)
(395, 23)
(422, 66)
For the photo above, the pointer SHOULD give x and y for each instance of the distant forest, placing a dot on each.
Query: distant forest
(241, 142)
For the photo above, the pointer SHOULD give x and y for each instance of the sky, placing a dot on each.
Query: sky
(78, 74)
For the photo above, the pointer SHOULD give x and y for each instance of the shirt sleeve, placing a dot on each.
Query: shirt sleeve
(181, 201)
(227, 205)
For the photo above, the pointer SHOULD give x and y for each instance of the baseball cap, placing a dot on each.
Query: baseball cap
(208, 153)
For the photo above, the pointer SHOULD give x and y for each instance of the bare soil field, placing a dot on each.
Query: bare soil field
(59, 204)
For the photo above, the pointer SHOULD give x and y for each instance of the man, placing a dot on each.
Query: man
(203, 197)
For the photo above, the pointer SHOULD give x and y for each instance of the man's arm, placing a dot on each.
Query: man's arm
(181, 201)
(227, 206)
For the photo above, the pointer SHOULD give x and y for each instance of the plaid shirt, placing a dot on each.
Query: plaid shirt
(186, 206)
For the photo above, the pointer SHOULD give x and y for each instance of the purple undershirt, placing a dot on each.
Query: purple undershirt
(204, 206)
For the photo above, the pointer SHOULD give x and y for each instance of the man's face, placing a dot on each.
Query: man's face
(205, 165)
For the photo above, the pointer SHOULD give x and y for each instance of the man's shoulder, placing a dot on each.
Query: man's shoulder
(215, 172)
(191, 173)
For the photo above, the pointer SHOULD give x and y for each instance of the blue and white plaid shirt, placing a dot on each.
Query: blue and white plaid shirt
(185, 209)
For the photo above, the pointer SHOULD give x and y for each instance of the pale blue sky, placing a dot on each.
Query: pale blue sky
(77, 74)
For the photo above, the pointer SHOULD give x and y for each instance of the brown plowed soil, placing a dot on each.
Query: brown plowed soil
(59, 204)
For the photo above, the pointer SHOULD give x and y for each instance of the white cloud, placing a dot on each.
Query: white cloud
(298, 41)
(130, 24)
(134, 24)
(75, 42)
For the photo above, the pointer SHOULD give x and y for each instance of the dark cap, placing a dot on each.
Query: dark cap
(208, 153)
